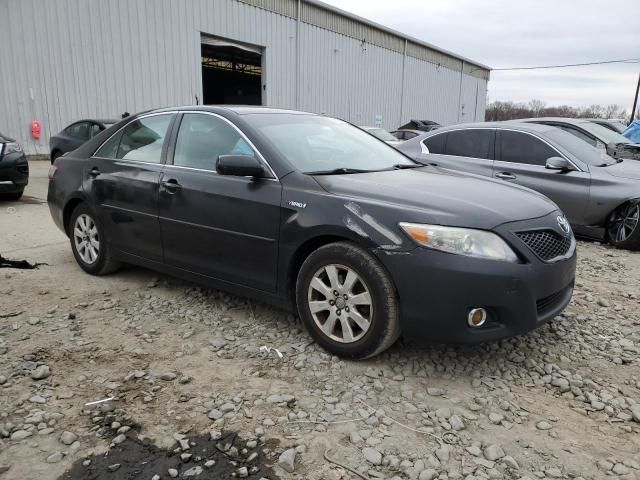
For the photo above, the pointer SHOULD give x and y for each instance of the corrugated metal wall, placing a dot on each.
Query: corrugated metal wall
(62, 60)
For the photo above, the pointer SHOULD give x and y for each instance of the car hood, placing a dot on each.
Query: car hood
(442, 196)
(625, 169)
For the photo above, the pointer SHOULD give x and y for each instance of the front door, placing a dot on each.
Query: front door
(224, 227)
(521, 158)
(123, 179)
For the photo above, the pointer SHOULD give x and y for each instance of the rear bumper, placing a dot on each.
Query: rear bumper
(437, 290)
(14, 173)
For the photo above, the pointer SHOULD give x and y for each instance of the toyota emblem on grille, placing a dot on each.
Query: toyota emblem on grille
(563, 223)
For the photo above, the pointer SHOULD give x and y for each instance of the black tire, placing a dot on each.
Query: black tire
(623, 228)
(372, 279)
(54, 155)
(104, 262)
(14, 196)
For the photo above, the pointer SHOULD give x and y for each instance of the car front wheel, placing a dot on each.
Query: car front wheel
(89, 243)
(623, 230)
(347, 301)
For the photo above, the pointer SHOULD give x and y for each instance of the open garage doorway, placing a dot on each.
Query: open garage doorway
(231, 72)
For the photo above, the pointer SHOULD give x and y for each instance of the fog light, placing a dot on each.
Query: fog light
(476, 317)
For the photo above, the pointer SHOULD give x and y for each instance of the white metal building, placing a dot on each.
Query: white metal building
(63, 60)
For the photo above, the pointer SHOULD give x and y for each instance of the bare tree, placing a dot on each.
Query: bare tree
(498, 111)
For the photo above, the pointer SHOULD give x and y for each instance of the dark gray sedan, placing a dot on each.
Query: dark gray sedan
(599, 194)
(311, 213)
(76, 134)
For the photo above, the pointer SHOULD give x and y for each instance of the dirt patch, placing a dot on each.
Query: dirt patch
(203, 457)
(21, 264)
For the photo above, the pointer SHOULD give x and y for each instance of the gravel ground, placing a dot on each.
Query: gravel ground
(190, 385)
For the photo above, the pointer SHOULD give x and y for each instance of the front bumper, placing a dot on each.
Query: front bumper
(437, 290)
(14, 173)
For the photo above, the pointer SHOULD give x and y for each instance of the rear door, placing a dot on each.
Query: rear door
(469, 150)
(224, 227)
(122, 178)
(521, 158)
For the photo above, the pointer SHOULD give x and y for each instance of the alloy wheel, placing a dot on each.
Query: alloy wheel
(624, 221)
(340, 303)
(86, 239)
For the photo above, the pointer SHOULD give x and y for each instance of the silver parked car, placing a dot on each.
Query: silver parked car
(596, 135)
(600, 195)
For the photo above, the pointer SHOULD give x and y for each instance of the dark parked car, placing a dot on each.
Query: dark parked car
(14, 169)
(421, 125)
(310, 212)
(599, 194)
(75, 135)
(613, 143)
(406, 134)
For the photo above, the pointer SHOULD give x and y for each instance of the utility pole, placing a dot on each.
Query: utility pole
(635, 100)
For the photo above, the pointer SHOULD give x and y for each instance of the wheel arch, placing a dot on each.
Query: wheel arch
(68, 209)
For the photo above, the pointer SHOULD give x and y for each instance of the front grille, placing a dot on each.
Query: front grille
(546, 244)
(549, 303)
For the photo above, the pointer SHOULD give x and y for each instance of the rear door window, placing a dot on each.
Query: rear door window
(142, 140)
(437, 143)
(474, 143)
(518, 147)
(80, 130)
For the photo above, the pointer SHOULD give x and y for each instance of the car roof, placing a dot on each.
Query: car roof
(571, 121)
(513, 124)
(96, 120)
(237, 109)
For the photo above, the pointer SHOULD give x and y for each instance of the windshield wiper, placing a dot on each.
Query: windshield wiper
(402, 166)
(340, 171)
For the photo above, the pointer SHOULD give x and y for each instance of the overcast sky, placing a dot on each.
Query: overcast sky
(508, 33)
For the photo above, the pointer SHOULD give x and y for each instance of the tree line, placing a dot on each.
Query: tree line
(498, 111)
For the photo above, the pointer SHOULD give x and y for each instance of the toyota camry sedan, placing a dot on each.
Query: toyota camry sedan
(315, 215)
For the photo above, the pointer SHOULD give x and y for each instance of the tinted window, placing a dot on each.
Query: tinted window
(581, 135)
(142, 139)
(79, 131)
(437, 143)
(398, 135)
(109, 149)
(470, 143)
(203, 138)
(520, 147)
(409, 135)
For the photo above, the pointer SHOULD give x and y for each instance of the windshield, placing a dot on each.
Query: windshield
(603, 133)
(381, 133)
(315, 144)
(579, 148)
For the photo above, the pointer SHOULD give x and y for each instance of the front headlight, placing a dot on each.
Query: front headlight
(12, 148)
(461, 241)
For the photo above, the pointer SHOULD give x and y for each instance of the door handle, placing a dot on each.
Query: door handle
(94, 172)
(171, 186)
(505, 176)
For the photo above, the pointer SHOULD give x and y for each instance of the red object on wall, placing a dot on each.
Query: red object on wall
(35, 129)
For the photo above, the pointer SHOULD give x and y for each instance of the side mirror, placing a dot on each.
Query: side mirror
(559, 163)
(239, 166)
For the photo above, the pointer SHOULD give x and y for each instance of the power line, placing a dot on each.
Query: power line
(627, 60)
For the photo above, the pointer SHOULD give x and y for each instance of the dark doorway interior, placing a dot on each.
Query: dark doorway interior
(231, 75)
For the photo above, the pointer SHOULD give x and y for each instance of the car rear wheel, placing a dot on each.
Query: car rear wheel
(623, 230)
(347, 301)
(89, 243)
